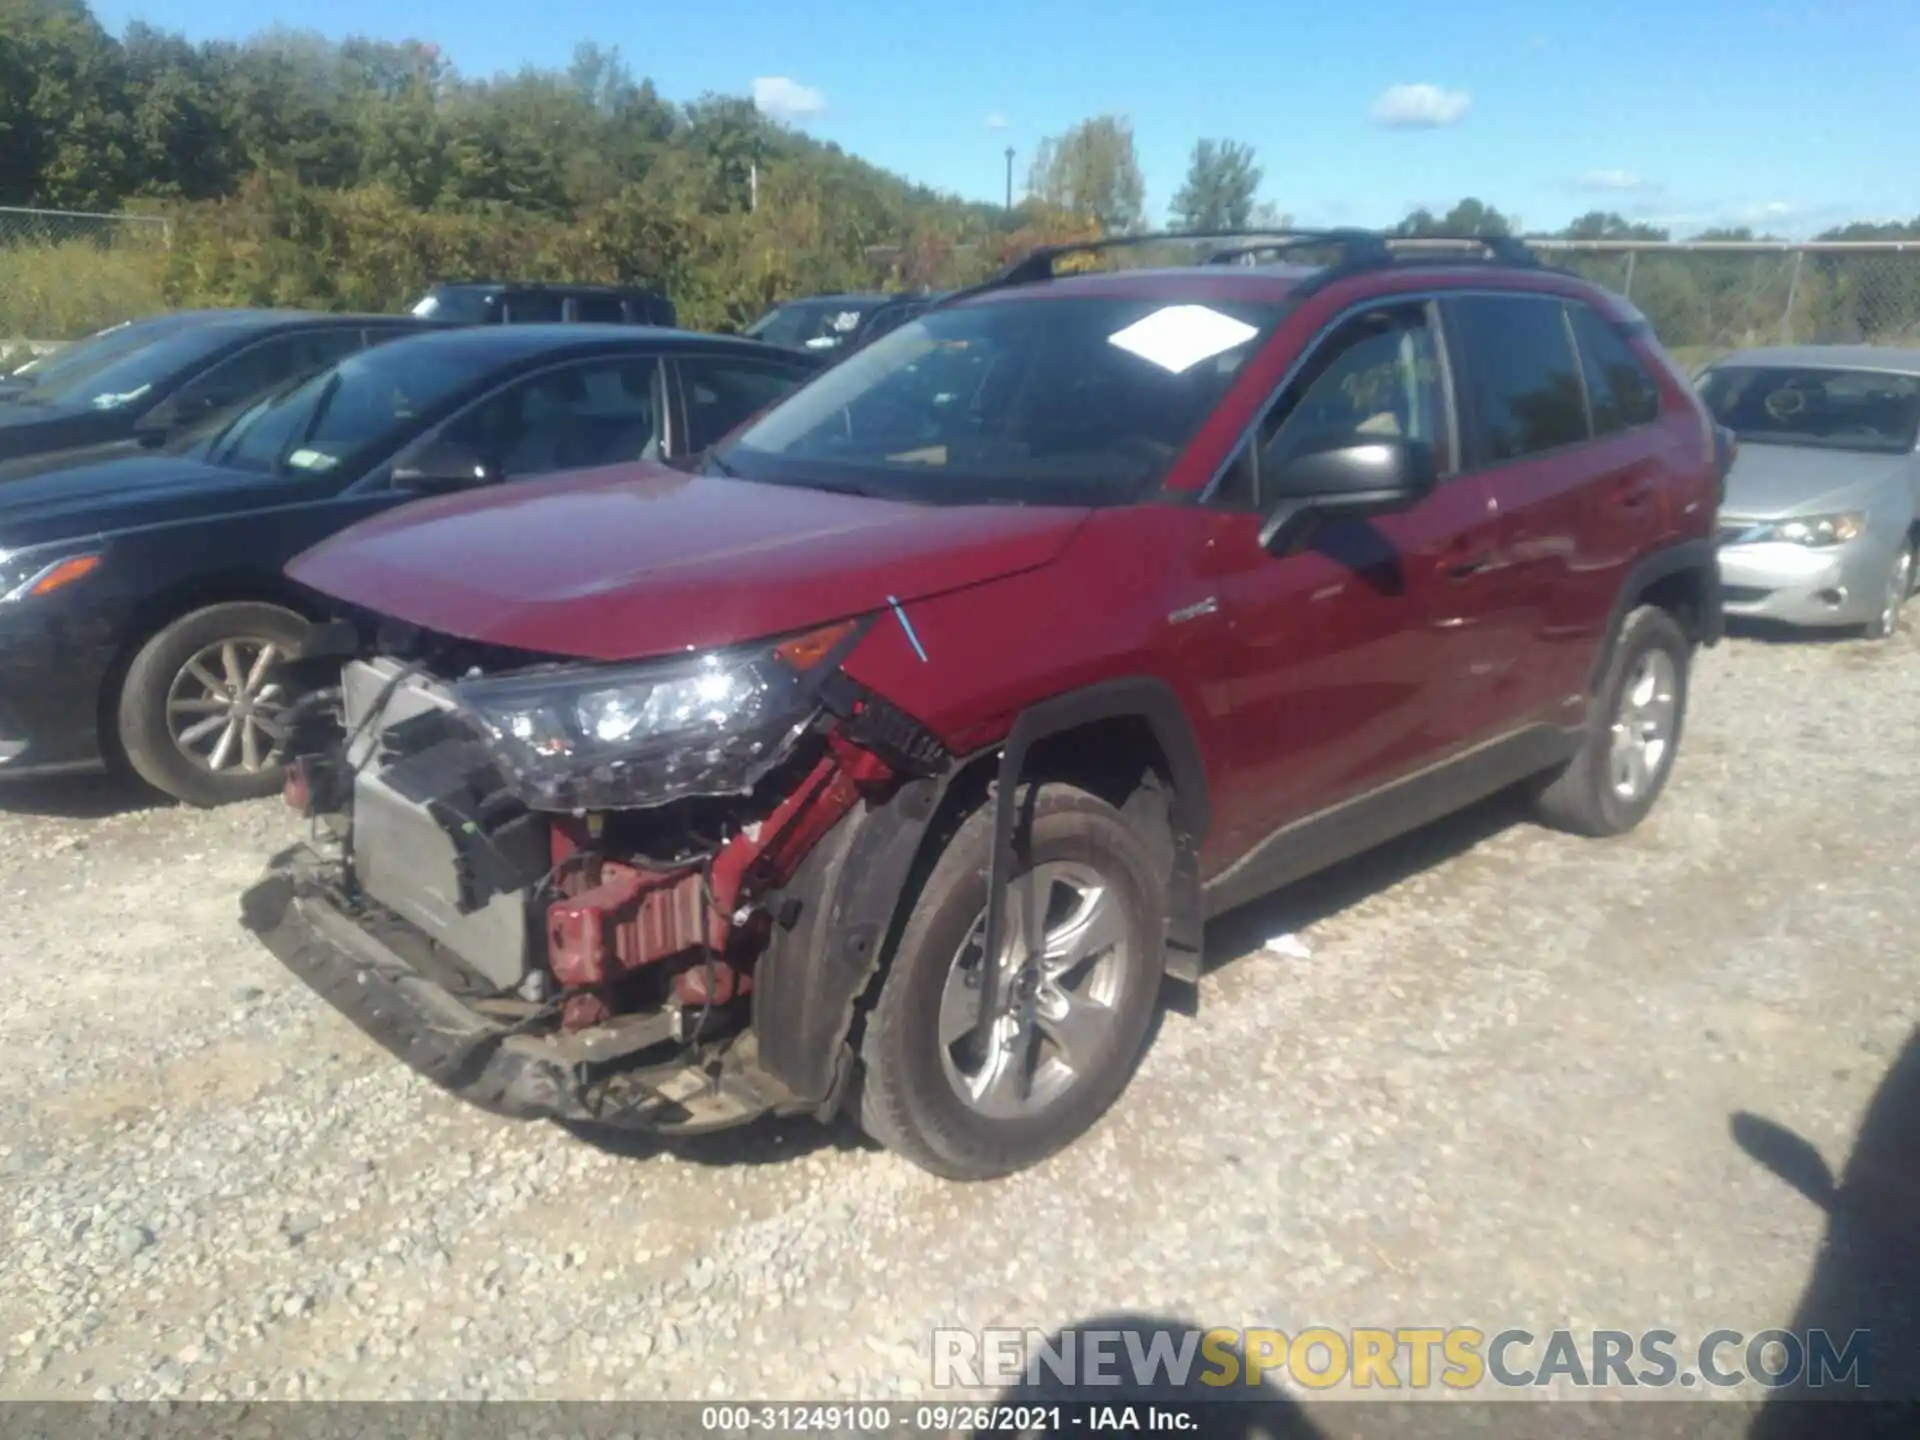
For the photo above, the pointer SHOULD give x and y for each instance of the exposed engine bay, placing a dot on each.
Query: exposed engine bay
(589, 853)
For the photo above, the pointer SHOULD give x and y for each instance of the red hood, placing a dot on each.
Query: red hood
(626, 563)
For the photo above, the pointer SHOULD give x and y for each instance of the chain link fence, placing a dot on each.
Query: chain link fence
(64, 274)
(1705, 298)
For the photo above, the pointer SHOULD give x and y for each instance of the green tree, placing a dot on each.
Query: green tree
(1607, 225)
(1092, 171)
(1222, 179)
(1468, 217)
(63, 123)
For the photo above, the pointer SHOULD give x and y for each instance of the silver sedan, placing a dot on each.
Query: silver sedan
(1822, 510)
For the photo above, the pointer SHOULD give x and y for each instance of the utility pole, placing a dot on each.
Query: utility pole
(753, 186)
(1009, 179)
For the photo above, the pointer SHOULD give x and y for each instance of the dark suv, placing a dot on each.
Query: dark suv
(889, 760)
(529, 302)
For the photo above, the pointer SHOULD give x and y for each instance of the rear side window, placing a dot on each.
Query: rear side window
(1521, 378)
(599, 310)
(533, 307)
(1620, 393)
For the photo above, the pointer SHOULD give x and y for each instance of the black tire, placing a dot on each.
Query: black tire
(141, 710)
(907, 1101)
(1899, 586)
(1580, 797)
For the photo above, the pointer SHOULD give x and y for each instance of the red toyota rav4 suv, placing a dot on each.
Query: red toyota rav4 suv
(890, 759)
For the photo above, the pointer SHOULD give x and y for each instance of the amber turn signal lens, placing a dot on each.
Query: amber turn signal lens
(803, 652)
(65, 573)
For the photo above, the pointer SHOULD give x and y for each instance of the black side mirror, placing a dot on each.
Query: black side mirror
(1354, 479)
(442, 465)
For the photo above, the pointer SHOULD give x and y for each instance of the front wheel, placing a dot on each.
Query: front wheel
(201, 711)
(1633, 732)
(1070, 1012)
(1893, 596)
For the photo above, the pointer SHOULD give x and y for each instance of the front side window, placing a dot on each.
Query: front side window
(596, 412)
(1072, 400)
(1521, 376)
(1865, 410)
(1378, 375)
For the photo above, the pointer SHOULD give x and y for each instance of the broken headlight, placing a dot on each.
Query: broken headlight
(613, 737)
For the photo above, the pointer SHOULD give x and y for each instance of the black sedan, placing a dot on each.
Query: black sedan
(144, 615)
(152, 379)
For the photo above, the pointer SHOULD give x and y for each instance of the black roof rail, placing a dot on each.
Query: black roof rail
(1388, 249)
(1360, 250)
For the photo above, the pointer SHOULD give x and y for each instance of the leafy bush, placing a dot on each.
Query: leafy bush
(65, 290)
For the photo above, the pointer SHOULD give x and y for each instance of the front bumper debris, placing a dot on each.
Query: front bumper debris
(595, 1076)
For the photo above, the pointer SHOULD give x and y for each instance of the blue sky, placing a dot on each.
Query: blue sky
(1789, 115)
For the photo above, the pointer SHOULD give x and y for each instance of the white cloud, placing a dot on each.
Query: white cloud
(1420, 107)
(997, 120)
(1612, 180)
(779, 98)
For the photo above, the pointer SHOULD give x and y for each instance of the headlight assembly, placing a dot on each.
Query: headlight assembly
(1813, 531)
(599, 736)
(40, 570)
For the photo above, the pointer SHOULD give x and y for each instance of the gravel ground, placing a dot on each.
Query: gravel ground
(1497, 1092)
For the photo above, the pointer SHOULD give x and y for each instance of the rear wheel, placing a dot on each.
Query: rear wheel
(1070, 1012)
(201, 710)
(1633, 732)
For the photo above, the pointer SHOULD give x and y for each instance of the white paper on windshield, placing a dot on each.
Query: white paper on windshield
(310, 460)
(1180, 336)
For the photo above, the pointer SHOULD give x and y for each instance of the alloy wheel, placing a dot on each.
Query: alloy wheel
(226, 707)
(1055, 1012)
(1643, 726)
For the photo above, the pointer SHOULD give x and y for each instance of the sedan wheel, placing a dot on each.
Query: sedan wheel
(1893, 597)
(203, 709)
(226, 706)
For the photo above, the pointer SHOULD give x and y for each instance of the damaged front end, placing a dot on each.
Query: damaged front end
(551, 885)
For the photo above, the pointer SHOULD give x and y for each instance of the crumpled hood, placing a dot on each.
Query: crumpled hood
(1771, 481)
(638, 560)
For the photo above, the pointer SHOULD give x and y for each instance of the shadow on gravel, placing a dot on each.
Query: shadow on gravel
(1867, 1276)
(79, 797)
(1235, 1411)
(1771, 632)
(1288, 911)
(769, 1141)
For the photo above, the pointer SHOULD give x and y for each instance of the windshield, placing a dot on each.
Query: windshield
(133, 373)
(1081, 401)
(88, 356)
(361, 408)
(1865, 410)
(810, 324)
(463, 307)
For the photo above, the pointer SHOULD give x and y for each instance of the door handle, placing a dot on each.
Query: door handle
(1633, 494)
(1461, 569)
